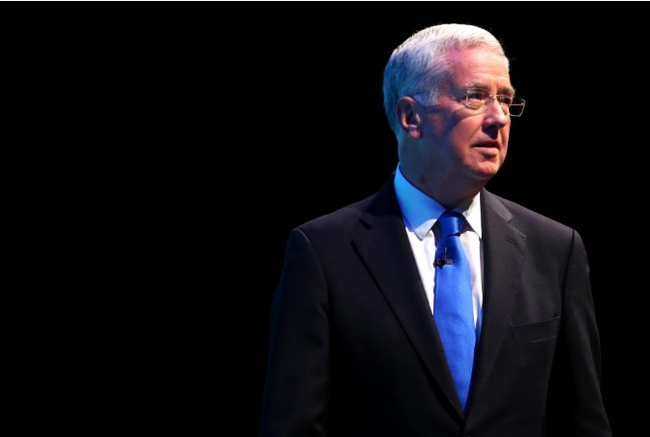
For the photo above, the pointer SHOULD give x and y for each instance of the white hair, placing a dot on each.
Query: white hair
(420, 63)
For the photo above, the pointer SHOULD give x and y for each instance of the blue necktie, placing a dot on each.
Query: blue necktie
(453, 312)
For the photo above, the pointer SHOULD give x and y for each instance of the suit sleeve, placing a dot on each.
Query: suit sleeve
(576, 378)
(297, 385)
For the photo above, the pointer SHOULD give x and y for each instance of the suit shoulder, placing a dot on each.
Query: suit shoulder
(531, 222)
(339, 222)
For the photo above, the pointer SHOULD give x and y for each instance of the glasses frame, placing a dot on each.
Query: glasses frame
(516, 100)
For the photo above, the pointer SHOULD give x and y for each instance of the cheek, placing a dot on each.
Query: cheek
(469, 126)
(464, 134)
(505, 136)
(505, 133)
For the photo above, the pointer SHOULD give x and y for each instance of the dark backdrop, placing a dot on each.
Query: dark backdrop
(316, 140)
(212, 134)
(180, 149)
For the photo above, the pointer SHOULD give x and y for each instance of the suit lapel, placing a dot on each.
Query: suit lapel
(504, 250)
(387, 254)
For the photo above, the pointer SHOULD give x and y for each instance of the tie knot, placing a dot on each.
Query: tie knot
(451, 223)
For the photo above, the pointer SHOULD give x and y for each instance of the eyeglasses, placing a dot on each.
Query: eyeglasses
(480, 100)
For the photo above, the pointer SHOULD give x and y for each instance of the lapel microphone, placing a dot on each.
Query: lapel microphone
(444, 261)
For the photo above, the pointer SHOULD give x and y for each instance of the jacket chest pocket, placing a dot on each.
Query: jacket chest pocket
(535, 331)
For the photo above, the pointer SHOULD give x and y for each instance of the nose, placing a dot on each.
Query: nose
(496, 115)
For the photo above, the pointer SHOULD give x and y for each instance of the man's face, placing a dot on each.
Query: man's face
(463, 142)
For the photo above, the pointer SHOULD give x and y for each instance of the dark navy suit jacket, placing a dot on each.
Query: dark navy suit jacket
(354, 349)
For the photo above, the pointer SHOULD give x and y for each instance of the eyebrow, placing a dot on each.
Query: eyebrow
(509, 91)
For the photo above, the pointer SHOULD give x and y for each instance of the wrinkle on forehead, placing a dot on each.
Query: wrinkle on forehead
(457, 55)
(506, 90)
(479, 68)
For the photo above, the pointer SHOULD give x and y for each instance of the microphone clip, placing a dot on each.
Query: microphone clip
(443, 262)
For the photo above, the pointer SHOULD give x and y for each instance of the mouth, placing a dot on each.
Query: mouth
(488, 149)
(488, 145)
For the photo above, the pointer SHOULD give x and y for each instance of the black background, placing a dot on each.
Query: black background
(180, 149)
(318, 140)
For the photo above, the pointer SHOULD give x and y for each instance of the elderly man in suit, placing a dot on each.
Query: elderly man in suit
(434, 307)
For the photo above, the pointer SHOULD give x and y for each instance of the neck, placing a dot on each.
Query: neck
(448, 192)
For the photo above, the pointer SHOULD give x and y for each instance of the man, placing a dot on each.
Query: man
(435, 308)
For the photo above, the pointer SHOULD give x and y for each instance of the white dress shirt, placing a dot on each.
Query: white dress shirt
(420, 212)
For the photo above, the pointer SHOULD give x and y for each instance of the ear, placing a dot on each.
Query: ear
(409, 119)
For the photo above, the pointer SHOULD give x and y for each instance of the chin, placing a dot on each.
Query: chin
(486, 171)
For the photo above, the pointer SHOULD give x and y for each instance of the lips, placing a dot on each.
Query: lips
(493, 144)
(489, 149)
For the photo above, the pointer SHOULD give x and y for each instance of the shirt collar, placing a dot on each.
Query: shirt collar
(421, 211)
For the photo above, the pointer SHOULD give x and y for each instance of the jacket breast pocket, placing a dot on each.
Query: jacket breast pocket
(536, 331)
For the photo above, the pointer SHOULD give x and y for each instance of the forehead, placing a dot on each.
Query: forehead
(472, 66)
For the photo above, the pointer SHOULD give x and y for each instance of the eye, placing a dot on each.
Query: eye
(476, 96)
(507, 100)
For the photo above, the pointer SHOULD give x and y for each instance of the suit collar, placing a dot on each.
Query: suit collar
(496, 206)
(505, 252)
(387, 254)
